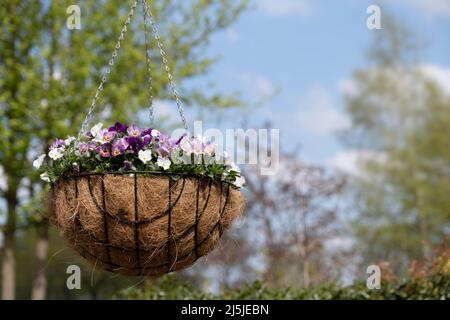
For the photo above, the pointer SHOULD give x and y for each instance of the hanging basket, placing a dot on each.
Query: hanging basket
(135, 221)
(143, 224)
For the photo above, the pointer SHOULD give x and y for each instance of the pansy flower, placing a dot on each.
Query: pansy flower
(119, 147)
(84, 147)
(108, 136)
(128, 165)
(134, 143)
(134, 131)
(103, 151)
(57, 144)
(119, 127)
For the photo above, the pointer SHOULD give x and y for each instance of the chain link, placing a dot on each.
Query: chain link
(166, 66)
(149, 67)
(108, 69)
(147, 16)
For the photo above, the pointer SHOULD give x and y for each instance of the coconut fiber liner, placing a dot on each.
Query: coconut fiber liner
(142, 224)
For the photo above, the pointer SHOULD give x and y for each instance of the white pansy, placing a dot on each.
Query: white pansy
(197, 145)
(164, 163)
(186, 145)
(145, 155)
(239, 182)
(226, 159)
(69, 140)
(56, 153)
(45, 177)
(155, 133)
(234, 167)
(97, 130)
(38, 162)
(210, 148)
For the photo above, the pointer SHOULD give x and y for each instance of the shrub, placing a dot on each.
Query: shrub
(427, 279)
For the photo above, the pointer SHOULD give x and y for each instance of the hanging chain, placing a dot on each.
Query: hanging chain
(108, 69)
(166, 66)
(147, 14)
(149, 67)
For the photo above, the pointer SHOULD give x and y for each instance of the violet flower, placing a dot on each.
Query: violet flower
(134, 143)
(146, 140)
(134, 131)
(119, 127)
(84, 147)
(58, 143)
(119, 147)
(108, 136)
(128, 165)
(163, 151)
(146, 132)
(103, 151)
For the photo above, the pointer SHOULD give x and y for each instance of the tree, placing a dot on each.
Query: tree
(289, 219)
(49, 74)
(297, 210)
(401, 125)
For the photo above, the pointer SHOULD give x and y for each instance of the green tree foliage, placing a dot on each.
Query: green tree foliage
(401, 123)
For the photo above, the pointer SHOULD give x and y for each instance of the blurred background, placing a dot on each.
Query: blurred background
(364, 119)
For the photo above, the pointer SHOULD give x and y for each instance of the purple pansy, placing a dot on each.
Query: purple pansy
(108, 136)
(119, 147)
(119, 127)
(135, 143)
(58, 143)
(147, 132)
(128, 165)
(89, 135)
(84, 147)
(103, 151)
(134, 131)
(146, 140)
(163, 151)
(165, 146)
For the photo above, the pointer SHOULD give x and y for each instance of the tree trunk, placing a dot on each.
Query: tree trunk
(39, 287)
(8, 263)
(8, 269)
(306, 275)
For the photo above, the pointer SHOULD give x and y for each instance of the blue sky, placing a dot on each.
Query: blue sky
(307, 49)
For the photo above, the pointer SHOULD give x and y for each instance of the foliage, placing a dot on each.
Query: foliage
(400, 127)
(427, 279)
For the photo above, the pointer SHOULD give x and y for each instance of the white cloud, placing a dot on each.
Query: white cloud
(259, 86)
(347, 162)
(351, 161)
(348, 87)
(435, 7)
(318, 114)
(440, 75)
(281, 8)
